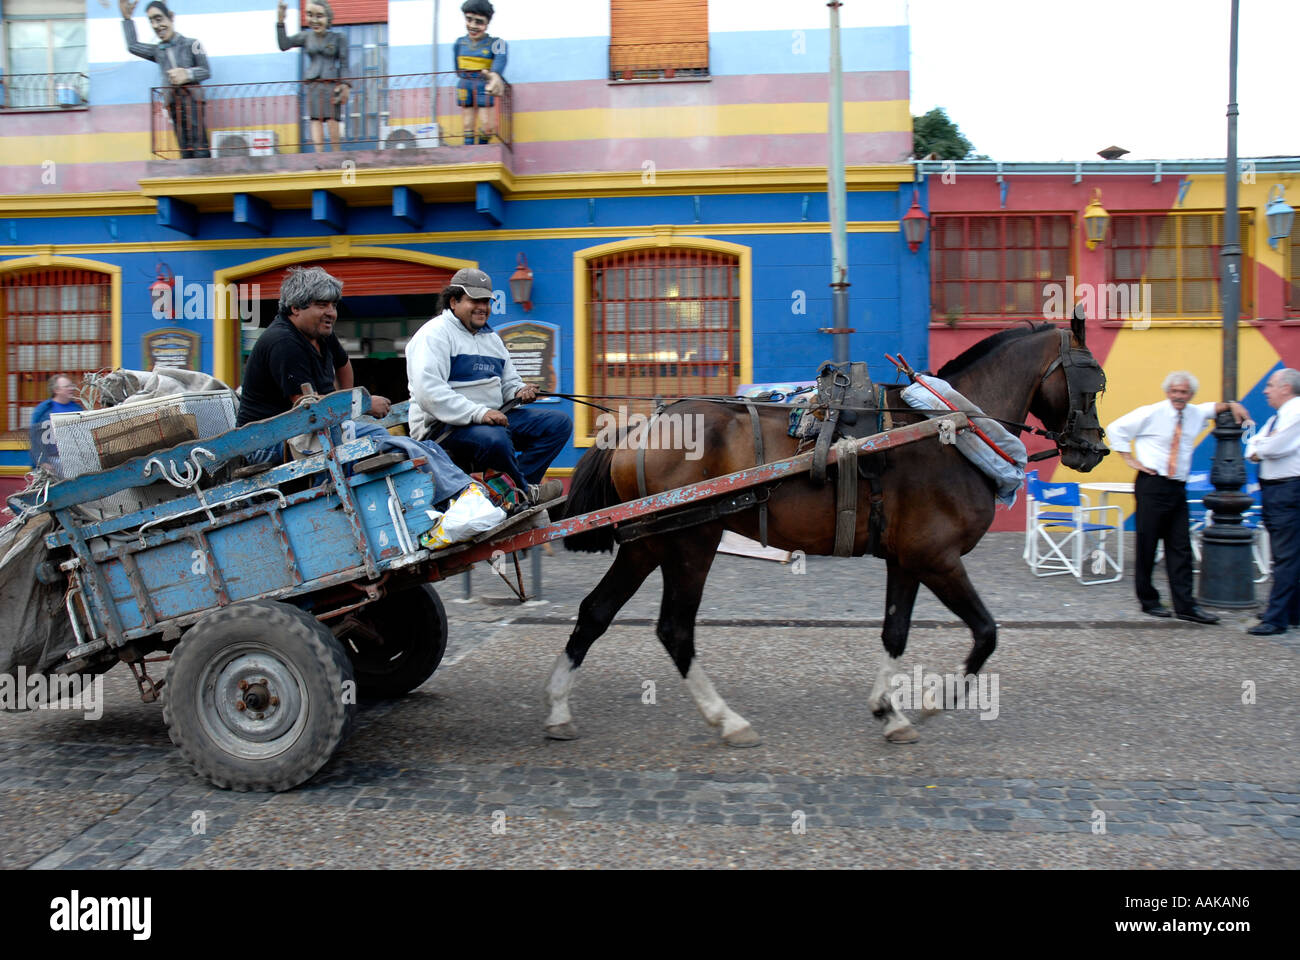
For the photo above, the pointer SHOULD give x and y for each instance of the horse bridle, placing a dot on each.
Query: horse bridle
(1084, 379)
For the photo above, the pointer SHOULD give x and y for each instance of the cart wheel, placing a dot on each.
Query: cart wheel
(258, 696)
(396, 642)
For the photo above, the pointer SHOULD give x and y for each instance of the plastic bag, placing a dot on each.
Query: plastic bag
(469, 515)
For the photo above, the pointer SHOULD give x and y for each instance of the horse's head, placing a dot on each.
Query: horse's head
(1066, 401)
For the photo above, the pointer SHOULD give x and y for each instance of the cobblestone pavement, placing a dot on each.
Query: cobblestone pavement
(1120, 741)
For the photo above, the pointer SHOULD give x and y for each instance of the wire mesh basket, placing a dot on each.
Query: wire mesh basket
(95, 440)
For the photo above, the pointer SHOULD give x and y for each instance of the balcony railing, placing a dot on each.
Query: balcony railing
(398, 112)
(684, 60)
(43, 91)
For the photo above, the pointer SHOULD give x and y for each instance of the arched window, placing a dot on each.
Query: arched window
(55, 320)
(664, 322)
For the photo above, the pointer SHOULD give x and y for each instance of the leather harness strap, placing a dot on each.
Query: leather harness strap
(846, 497)
(760, 458)
(641, 490)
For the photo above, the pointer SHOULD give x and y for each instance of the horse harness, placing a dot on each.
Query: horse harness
(847, 407)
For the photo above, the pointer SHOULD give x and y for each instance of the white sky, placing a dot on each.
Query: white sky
(1062, 79)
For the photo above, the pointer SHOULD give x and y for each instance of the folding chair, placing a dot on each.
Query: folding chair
(1034, 512)
(1070, 540)
(1198, 484)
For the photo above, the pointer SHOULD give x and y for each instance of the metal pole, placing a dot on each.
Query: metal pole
(835, 191)
(536, 554)
(1226, 571)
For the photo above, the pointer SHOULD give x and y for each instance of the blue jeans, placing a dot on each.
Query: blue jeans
(448, 479)
(1282, 518)
(523, 450)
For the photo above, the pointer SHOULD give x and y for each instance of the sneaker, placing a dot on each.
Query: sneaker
(545, 492)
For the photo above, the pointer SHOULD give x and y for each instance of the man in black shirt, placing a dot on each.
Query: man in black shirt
(298, 347)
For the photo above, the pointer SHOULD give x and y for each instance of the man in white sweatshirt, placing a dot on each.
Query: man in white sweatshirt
(460, 376)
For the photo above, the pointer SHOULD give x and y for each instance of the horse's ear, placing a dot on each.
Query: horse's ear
(1078, 324)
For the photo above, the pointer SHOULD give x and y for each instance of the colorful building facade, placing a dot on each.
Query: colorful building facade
(669, 198)
(1007, 244)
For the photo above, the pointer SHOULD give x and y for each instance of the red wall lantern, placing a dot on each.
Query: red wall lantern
(162, 293)
(521, 284)
(915, 224)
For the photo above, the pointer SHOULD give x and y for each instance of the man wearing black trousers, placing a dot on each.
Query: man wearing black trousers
(1276, 448)
(1157, 441)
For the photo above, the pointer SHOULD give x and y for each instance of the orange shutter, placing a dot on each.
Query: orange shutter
(365, 277)
(661, 36)
(351, 11)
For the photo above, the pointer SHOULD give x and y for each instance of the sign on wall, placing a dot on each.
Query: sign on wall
(170, 347)
(535, 351)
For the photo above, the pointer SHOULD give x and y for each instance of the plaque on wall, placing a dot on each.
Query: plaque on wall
(535, 351)
(170, 347)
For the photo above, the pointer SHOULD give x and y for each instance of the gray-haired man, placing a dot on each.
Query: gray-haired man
(1276, 448)
(1157, 441)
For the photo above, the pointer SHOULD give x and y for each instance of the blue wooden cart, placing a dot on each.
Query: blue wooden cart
(282, 598)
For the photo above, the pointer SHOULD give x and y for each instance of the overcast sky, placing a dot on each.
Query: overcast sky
(1061, 79)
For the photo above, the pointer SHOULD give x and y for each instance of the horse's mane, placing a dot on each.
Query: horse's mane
(979, 351)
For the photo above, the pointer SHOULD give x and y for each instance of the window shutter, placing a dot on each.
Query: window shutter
(658, 37)
(351, 11)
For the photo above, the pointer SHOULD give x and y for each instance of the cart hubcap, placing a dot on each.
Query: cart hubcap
(253, 703)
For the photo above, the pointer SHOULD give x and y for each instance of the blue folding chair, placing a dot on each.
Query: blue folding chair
(1071, 540)
(1034, 512)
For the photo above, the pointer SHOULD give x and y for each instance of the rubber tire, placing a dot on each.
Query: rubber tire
(291, 636)
(413, 624)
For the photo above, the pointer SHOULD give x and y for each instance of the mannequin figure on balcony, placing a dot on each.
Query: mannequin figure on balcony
(480, 61)
(183, 66)
(325, 71)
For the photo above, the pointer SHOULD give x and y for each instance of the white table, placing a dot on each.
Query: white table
(1106, 489)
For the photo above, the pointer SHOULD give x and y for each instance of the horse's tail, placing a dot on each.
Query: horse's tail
(592, 488)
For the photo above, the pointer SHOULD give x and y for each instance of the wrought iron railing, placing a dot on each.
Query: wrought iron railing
(43, 91)
(683, 60)
(398, 112)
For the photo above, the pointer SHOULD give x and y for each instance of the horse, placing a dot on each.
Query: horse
(936, 507)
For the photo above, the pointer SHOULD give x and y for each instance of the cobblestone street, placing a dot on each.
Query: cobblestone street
(1119, 741)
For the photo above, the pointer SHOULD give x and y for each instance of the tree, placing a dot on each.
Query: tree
(935, 133)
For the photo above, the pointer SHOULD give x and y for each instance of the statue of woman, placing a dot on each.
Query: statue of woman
(324, 74)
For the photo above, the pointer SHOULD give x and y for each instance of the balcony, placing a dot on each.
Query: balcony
(643, 62)
(43, 91)
(412, 113)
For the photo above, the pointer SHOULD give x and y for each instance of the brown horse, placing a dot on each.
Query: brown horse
(936, 505)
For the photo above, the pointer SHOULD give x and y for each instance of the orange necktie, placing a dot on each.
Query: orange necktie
(1172, 472)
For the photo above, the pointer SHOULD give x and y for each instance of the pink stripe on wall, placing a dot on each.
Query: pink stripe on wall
(75, 178)
(694, 153)
(763, 88)
(123, 118)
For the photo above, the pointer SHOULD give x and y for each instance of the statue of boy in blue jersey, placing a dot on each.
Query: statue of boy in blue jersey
(480, 61)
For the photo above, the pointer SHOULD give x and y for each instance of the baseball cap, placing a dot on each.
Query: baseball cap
(476, 283)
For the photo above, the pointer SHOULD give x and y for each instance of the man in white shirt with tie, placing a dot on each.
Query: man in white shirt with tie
(1276, 449)
(1157, 441)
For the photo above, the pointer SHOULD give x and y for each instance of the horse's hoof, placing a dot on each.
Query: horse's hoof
(903, 735)
(744, 737)
(927, 712)
(562, 731)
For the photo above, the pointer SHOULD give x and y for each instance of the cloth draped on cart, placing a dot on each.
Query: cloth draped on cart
(34, 629)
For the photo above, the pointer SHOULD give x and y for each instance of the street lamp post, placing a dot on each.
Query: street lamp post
(1226, 579)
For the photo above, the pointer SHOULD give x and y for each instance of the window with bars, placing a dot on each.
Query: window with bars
(658, 39)
(996, 265)
(664, 323)
(54, 321)
(1177, 254)
(1293, 276)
